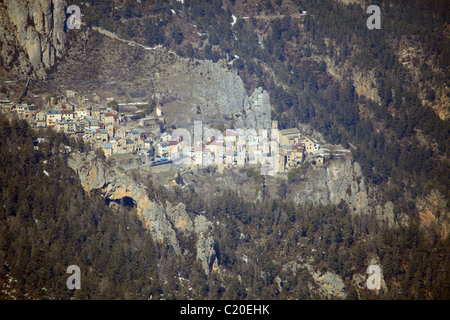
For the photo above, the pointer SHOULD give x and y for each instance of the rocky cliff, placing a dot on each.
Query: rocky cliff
(32, 36)
(101, 63)
(340, 180)
(214, 95)
(164, 220)
(433, 210)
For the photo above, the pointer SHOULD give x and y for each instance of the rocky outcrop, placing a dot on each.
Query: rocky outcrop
(257, 113)
(327, 285)
(433, 210)
(187, 89)
(205, 243)
(340, 180)
(330, 285)
(202, 90)
(364, 82)
(386, 212)
(163, 220)
(32, 35)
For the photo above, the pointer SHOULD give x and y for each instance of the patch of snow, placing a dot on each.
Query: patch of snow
(153, 48)
(234, 20)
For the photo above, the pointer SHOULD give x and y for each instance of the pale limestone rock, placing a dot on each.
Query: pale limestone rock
(340, 180)
(163, 221)
(331, 286)
(37, 28)
(386, 212)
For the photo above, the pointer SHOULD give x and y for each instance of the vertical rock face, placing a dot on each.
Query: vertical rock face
(164, 221)
(341, 180)
(205, 243)
(257, 111)
(202, 90)
(433, 210)
(35, 28)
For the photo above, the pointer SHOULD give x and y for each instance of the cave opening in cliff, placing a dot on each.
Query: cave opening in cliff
(126, 202)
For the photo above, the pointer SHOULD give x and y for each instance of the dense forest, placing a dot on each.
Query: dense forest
(47, 223)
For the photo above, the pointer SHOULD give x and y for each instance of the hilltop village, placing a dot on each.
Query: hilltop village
(143, 133)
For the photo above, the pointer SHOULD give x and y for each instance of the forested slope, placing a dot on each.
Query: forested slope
(47, 223)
